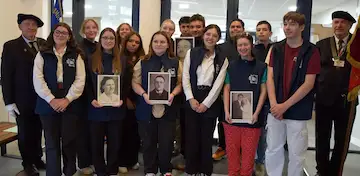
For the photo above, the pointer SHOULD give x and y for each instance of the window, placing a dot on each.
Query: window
(251, 12)
(214, 12)
(67, 8)
(109, 13)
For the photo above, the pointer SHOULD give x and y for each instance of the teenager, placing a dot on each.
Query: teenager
(245, 73)
(157, 122)
(59, 80)
(203, 77)
(105, 121)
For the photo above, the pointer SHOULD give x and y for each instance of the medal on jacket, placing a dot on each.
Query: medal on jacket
(338, 63)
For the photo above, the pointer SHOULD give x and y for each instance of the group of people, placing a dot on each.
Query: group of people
(52, 85)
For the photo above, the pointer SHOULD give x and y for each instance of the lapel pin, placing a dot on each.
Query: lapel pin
(25, 49)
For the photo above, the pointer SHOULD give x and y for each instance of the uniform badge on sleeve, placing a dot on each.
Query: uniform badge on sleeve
(253, 79)
(70, 62)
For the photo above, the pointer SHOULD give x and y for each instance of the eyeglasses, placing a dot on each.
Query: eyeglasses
(108, 38)
(63, 33)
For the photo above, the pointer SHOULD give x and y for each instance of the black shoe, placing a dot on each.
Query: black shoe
(31, 171)
(40, 165)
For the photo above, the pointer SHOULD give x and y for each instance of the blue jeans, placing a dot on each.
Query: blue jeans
(260, 153)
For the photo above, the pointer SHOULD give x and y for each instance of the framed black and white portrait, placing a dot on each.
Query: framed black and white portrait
(182, 45)
(108, 90)
(241, 106)
(159, 87)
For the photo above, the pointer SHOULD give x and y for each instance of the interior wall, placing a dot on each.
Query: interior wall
(149, 20)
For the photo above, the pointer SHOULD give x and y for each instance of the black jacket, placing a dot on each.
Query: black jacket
(261, 52)
(332, 83)
(228, 48)
(17, 64)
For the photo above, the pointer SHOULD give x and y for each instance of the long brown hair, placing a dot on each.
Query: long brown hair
(71, 43)
(169, 51)
(138, 53)
(97, 65)
(118, 31)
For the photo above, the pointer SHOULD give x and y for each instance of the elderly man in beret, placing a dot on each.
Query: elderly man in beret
(17, 63)
(331, 96)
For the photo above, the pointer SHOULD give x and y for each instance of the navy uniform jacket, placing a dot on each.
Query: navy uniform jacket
(104, 113)
(17, 62)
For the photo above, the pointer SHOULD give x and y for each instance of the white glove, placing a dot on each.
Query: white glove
(12, 109)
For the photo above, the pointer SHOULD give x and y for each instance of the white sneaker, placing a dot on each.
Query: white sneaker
(150, 174)
(123, 170)
(87, 171)
(136, 166)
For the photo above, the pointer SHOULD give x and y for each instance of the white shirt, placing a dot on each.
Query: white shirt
(59, 71)
(105, 99)
(205, 73)
(28, 42)
(337, 41)
(43, 90)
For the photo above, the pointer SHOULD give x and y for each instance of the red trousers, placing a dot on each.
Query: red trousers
(241, 145)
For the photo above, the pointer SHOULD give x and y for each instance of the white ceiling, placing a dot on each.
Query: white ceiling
(214, 11)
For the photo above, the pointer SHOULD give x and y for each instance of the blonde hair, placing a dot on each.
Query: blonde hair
(168, 20)
(82, 28)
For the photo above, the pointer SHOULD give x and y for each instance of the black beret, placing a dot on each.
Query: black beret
(22, 17)
(343, 15)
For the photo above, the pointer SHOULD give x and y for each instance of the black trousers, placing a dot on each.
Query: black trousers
(221, 132)
(29, 138)
(182, 131)
(130, 141)
(60, 127)
(83, 145)
(157, 136)
(325, 117)
(198, 147)
(112, 131)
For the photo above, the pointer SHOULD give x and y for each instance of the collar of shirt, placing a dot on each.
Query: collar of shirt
(59, 54)
(258, 42)
(27, 40)
(212, 56)
(159, 92)
(345, 39)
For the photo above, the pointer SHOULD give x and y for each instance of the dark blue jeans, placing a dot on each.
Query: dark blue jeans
(260, 153)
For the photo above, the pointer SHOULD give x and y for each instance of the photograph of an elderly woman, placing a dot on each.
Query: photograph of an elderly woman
(108, 90)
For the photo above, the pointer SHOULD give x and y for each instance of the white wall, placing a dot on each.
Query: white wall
(10, 30)
(149, 20)
(325, 17)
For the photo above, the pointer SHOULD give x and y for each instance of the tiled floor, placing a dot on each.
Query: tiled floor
(9, 167)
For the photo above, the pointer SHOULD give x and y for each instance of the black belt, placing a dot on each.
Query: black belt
(203, 87)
